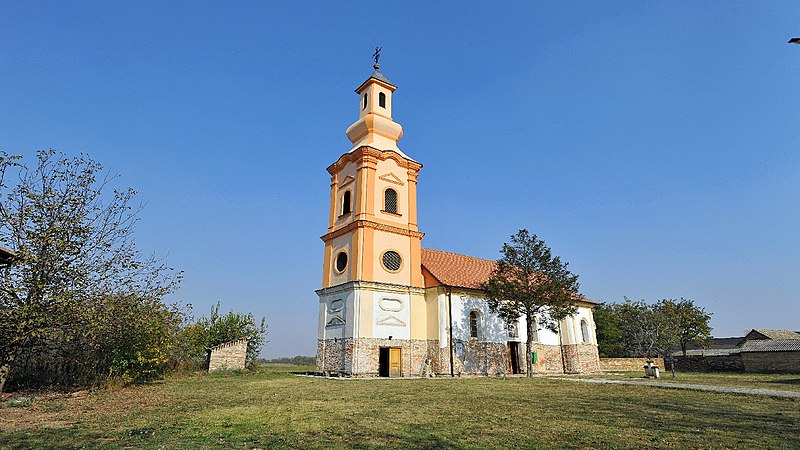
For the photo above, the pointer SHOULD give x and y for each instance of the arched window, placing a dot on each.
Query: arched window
(390, 201)
(346, 203)
(382, 100)
(585, 331)
(473, 324)
(364, 105)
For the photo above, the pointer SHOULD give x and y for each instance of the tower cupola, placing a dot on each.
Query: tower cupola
(375, 127)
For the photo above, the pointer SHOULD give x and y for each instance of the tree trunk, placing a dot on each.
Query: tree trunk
(4, 370)
(530, 323)
(683, 348)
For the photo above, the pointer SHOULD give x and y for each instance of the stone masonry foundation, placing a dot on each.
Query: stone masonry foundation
(360, 357)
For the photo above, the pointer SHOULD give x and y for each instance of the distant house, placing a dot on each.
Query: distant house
(772, 351)
(759, 351)
(775, 335)
(715, 347)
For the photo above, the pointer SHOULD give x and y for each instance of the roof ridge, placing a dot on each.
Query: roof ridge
(459, 254)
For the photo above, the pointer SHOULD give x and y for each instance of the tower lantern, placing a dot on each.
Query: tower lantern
(375, 126)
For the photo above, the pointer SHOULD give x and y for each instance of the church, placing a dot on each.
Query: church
(390, 308)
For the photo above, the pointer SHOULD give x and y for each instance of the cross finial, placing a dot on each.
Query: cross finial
(376, 56)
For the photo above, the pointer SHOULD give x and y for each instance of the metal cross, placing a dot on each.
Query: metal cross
(377, 54)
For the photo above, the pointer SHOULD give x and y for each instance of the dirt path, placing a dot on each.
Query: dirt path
(698, 387)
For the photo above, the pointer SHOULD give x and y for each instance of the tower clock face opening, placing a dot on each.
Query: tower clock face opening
(341, 262)
(392, 261)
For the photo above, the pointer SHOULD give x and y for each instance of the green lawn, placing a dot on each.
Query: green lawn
(272, 408)
(780, 382)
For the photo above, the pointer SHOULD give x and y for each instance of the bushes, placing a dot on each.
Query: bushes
(79, 303)
(217, 329)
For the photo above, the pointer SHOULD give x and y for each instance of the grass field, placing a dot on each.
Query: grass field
(270, 408)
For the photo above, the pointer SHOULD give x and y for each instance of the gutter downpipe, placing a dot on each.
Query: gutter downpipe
(450, 319)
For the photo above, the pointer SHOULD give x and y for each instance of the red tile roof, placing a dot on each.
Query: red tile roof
(456, 270)
(452, 269)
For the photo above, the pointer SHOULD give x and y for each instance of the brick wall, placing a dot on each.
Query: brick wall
(228, 356)
(771, 362)
(581, 358)
(548, 358)
(629, 364)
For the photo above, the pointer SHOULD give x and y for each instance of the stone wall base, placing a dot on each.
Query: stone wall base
(360, 358)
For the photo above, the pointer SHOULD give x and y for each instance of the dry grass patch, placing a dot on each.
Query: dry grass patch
(272, 408)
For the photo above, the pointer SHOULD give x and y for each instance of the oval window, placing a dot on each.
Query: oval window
(341, 262)
(392, 261)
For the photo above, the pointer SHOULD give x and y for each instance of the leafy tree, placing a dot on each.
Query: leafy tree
(75, 253)
(217, 329)
(529, 281)
(609, 332)
(689, 321)
(647, 331)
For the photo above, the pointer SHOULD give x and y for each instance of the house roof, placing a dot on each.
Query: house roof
(715, 343)
(776, 334)
(707, 352)
(452, 269)
(6, 256)
(771, 345)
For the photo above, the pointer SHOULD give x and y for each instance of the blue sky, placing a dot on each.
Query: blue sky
(654, 146)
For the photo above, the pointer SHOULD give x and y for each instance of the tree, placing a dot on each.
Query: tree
(74, 253)
(610, 342)
(690, 322)
(217, 329)
(530, 282)
(647, 331)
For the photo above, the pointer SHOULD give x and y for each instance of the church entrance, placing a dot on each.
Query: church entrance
(513, 358)
(389, 362)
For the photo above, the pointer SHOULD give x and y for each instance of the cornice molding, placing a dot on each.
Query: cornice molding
(373, 286)
(370, 224)
(368, 153)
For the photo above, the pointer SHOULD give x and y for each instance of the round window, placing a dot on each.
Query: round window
(341, 262)
(392, 261)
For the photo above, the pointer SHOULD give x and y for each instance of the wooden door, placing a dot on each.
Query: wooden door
(395, 366)
(513, 358)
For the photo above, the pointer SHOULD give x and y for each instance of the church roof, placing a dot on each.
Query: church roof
(452, 269)
(456, 270)
(380, 77)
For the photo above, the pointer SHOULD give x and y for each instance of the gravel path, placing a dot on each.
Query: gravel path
(698, 387)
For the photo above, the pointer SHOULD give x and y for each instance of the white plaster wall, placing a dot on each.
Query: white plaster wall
(491, 328)
(326, 313)
(586, 314)
(444, 326)
(391, 315)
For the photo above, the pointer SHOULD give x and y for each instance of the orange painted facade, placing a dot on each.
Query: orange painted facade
(367, 228)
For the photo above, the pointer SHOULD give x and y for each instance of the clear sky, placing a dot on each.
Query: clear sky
(653, 145)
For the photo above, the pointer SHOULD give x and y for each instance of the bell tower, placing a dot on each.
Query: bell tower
(372, 284)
